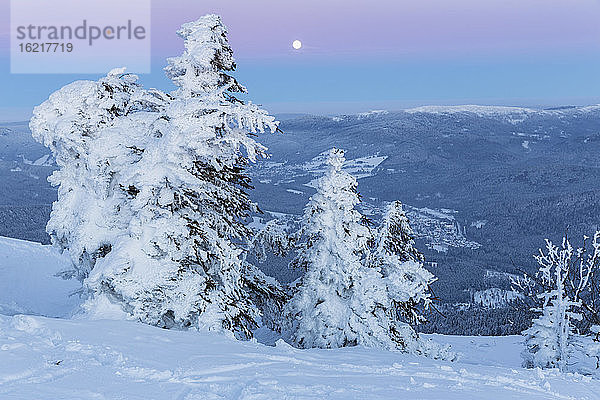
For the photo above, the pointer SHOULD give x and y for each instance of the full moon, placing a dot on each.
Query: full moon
(296, 44)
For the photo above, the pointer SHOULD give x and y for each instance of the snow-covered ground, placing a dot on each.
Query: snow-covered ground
(54, 358)
(495, 297)
(46, 358)
(27, 281)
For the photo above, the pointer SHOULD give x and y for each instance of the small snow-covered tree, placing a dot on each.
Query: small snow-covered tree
(91, 129)
(182, 263)
(549, 341)
(267, 294)
(395, 236)
(336, 240)
(344, 297)
(582, 283)
(401, 265)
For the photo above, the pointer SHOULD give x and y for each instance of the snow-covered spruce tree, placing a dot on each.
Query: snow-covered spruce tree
(91, 129)
(549, 341)
(335, 243)
(395, 236)
(182, 264)
(342, 299)
(401, 264)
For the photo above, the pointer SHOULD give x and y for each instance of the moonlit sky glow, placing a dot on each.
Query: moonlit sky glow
(389, 54)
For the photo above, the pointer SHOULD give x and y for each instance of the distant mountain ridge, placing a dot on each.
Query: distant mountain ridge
(507, 176)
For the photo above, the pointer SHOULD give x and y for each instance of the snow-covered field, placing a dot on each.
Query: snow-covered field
(54, 358)
(27, 281)
(46, 358)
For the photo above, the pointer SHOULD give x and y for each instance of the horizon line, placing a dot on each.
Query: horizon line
(25, 113)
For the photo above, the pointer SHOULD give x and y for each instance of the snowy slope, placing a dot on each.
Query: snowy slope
(51, 358)
(27, 281)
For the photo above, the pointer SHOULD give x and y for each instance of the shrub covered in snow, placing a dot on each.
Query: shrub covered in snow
(565, 291)
(549, 341)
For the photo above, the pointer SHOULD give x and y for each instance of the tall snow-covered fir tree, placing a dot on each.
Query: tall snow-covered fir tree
(152, 189)
(92, 129)
(401, 264)
(549, 341)
(182, 264)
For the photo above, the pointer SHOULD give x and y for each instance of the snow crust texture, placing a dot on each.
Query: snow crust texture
(46, 358)
(28, 284)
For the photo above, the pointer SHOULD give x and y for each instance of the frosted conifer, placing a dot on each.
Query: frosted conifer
(401, 265)
(343, 299)
(183, 264)
(153, 193)
(549, 341)
(336, 239)
(92, 129)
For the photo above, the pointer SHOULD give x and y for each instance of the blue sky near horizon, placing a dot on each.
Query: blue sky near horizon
(385, 55)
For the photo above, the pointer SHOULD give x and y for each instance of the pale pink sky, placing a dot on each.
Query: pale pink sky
(260, 28)
(265, 28)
